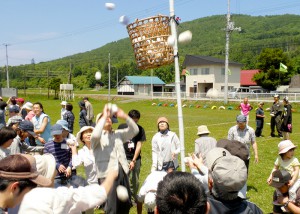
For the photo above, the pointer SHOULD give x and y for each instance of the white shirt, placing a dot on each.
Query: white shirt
(87, 158)
(62, 200)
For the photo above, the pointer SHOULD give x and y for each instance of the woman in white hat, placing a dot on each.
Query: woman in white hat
(85, 155)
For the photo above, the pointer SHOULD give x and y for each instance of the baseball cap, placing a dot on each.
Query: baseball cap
(14, 108)
(149, 201)
(21, 100)
(64, 124)
(280, 177)
(229, 175)
(214, 154)
(261, 103)
(79, 134)
(284, 146)
(241, 118)
(276, 96)
(27, 126)
(235, 148)
(22, 166)
(56, 129)
(114, 119)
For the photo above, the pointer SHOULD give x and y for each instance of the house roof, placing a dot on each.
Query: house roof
(144, 80)
(194, 60)
(246, 77)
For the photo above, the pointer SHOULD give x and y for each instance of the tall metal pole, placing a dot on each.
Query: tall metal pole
(7, 74)
(151, 84)
(227, 53)
(229, 28)
(177, 85)
(109, 77)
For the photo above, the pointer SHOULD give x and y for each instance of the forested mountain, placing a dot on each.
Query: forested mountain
(258, 32)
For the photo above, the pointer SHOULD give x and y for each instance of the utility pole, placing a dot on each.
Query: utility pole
(7, 74)
(229, 28)
(177, 84)
(109, 77)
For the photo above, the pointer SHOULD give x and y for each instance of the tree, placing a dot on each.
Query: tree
(55, 85)
(268, 63)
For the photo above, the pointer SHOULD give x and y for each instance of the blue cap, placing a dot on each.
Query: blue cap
(56, 129)
(14, 108)
(241, 119)
(64, 124)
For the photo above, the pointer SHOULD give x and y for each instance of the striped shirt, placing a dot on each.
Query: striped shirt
(70, 118)
(61, 152)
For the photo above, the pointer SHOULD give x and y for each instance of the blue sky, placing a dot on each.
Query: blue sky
(45, 30)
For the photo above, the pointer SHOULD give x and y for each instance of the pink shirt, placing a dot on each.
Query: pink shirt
(245, 108)
(29, 116)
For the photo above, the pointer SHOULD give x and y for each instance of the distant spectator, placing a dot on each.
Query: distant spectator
(63, 109)
(83, 121)
(245, 108)
(69, 117)
(204, 143)
(276, 114)
(89, 110)
(260, 119)
(286, 126)
(180, 192)
(41, 122)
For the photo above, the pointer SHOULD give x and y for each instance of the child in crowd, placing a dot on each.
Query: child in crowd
(83, 121)
(287, 161)
(58, 147)
(7, 135)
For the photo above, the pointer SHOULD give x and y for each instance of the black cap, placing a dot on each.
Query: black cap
(280, 177)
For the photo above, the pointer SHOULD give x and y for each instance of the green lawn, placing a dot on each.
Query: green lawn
(218, 122)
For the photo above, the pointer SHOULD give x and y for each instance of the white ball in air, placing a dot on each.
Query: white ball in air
(185, 37)
(171, 40)
(124, 20)
(122, 193)
(110, 6)
(98, 75)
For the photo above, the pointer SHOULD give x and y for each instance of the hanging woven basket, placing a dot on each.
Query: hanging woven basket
(149, 40)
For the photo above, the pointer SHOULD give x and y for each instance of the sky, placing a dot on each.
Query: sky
(45, 30)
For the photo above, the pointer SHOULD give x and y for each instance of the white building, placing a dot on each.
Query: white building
(207, 72)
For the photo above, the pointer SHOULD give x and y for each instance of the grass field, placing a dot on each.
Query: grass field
(218, 122)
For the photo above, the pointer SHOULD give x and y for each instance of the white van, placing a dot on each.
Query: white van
(240, 93)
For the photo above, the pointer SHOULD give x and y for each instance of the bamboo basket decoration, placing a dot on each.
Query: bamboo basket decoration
(149, 38)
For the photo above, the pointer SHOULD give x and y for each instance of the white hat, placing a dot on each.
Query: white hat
(83, 129)
(149, 201)
(63, 103)
(28, 106)
(284, 146)
(202, 130)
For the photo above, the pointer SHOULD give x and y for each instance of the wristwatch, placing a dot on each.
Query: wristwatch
(133, 161)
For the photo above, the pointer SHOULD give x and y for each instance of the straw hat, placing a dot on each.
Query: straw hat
(202, 130)
(79, 134)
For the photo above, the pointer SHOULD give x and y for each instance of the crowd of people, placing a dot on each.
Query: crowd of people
(37, 158)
